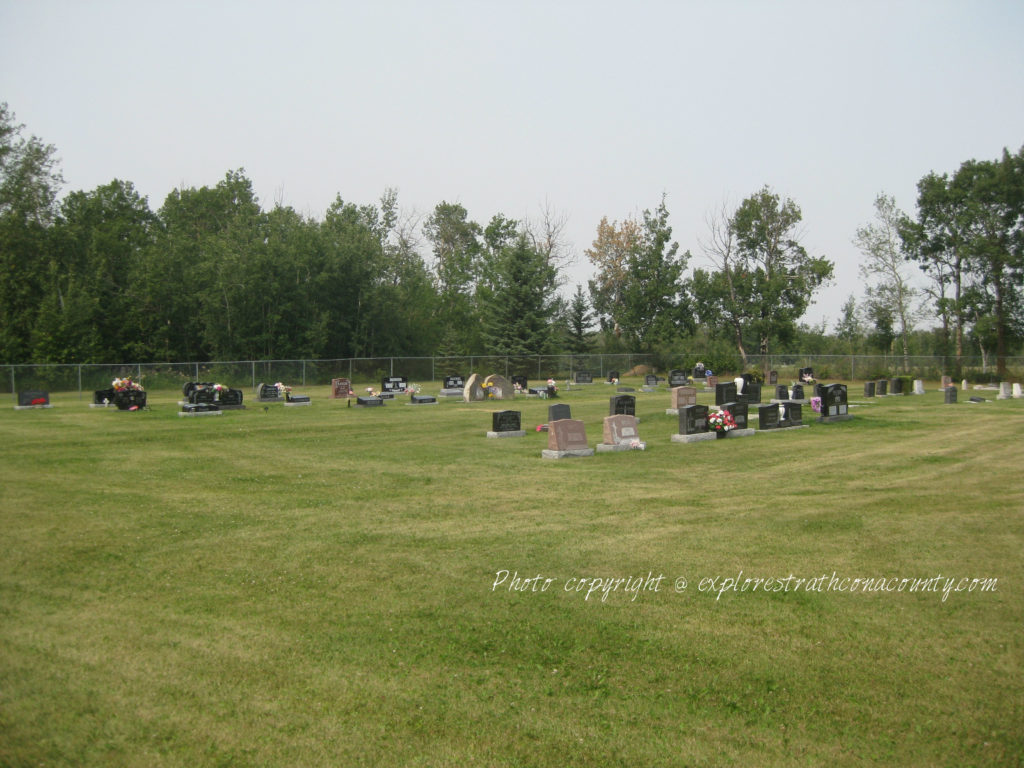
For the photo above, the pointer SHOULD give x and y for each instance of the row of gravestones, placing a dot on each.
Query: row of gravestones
(207, 397)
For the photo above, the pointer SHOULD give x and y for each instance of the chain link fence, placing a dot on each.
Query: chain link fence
(86, 378)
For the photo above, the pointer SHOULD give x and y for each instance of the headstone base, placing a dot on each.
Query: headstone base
(422, 400)
(368, 402)
(696, 437)
(232, 407)
(297, 403)
(102, 405)
(518, 433)
(452, 393)
(200, 413)
(699, 436)
(548, 454)
(31, 407)
(831, 419)
(608, 448)
(786, 429)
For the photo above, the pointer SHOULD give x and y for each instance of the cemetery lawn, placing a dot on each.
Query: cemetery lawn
(314, 586)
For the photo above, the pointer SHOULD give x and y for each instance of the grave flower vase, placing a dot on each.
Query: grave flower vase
(720, 433)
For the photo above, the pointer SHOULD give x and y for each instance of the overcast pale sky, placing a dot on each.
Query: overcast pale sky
(589, 108)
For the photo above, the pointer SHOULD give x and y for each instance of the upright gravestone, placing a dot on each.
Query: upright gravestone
(567, 437)
(473, 391)
(613, 377)
(882, 387)
(341, 388)
(869, 389)
(740, 413)
(268, 393)
(806, 374)
(751, 393)
(798, 394)
(622, 405)
(834, 405)
(650, 380)
(947, 381)
(1016, 390)
(773, 378)
(559, 411)
(453, 386)
(620, 434)
(950, 395)
(725, 393)
(693, 425)
(506, 424)
(795, 414)
(918, 387)
(710, 381)
(520, 384)
(1005, 391)
(33, 398)
(768, 416)
(393, 385)
(781, 392)
(895, 386)
(677, 378)
(583, 377)
(230, 399)
(499, 387)
(683, 396)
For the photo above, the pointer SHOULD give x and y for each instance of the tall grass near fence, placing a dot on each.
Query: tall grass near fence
(329, 585)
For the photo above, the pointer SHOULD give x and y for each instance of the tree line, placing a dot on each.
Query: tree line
(98, 276)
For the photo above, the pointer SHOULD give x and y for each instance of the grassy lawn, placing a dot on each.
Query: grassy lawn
(315, 586)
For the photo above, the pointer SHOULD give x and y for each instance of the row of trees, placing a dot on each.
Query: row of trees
(98, 276)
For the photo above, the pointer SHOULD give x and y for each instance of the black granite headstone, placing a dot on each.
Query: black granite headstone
(781, 392)
(768, 416)
(950, 394)
(454, 382)
(677, 378)
(268, 392)
(559, 411)
(369, 401)
(613, 376)
(751, 393)
(881, 387)
(834, 401)
(506, 421)
(127, 399)
(725, 392)
(795, 411)
(393, 385)
(740, 413)
(798, 392)
(773, 378)
(101, 395)
(33, 397)
(230, 398)
(622, 405)
(520, 382)
(583, 377)
(693, 419)
(896, 386)
(650, 380)
(869, 389)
